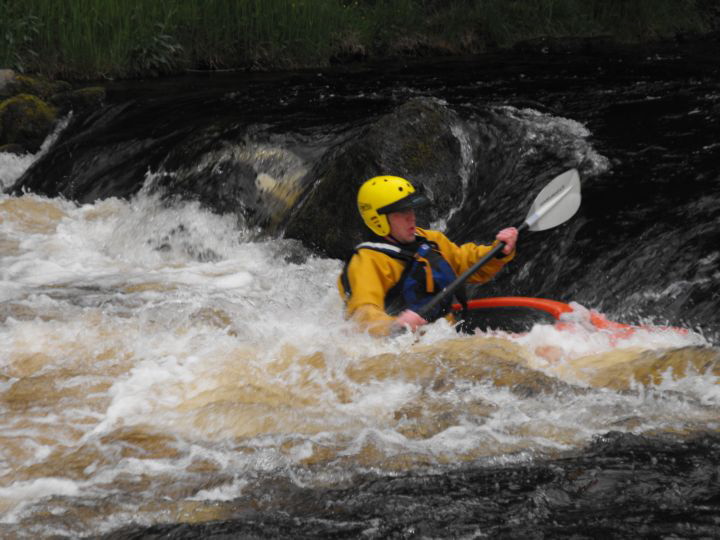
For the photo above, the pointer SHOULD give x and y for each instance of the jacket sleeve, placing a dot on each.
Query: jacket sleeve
(463, 257)
(370, 276)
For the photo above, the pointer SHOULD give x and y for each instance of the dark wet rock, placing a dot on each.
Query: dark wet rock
(621, 486)
(25, 120)
(99, 155)
(168, 146)
(80, 101)
(216, 177)
(415, 141)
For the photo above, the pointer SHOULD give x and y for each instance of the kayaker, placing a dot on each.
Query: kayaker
(390, 277)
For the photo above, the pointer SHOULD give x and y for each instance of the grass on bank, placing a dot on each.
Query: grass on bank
(132, 38)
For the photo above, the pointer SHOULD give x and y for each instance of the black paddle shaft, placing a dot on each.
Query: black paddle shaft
(450, 289)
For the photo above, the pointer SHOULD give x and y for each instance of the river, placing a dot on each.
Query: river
(168, 370)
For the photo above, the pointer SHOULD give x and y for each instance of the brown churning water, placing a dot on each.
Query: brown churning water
(142, 383)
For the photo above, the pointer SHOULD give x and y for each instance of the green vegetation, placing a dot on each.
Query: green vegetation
(128, 38)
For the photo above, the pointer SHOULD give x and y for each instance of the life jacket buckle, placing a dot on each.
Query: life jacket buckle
(423, 250)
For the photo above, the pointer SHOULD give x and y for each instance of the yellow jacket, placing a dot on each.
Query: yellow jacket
(371, 274)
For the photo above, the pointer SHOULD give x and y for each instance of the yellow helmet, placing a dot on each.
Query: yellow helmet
(382, 195)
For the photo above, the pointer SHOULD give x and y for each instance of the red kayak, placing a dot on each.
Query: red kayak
(556, 310)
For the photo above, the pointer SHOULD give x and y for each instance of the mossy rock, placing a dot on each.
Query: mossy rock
(26, 120)
(36, 86)
(80, 101)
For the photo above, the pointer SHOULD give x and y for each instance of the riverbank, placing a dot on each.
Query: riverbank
(99, 39)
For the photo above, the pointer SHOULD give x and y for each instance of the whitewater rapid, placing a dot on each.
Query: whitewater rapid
(143, 343)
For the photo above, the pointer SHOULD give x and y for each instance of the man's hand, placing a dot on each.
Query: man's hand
(409, 318)
(509, 236)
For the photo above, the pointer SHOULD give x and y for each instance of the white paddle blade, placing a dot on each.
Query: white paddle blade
(556, 203)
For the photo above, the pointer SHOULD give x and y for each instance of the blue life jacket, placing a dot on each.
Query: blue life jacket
(426, 273)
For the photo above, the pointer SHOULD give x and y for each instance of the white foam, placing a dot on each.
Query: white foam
(40, 487)
(13, 166)
(33, 490)
(226, 492)
(381, 398)
(148, 386)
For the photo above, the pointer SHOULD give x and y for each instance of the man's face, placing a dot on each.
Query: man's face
(402, 225)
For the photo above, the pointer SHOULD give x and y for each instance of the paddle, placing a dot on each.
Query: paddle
(555, 204)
